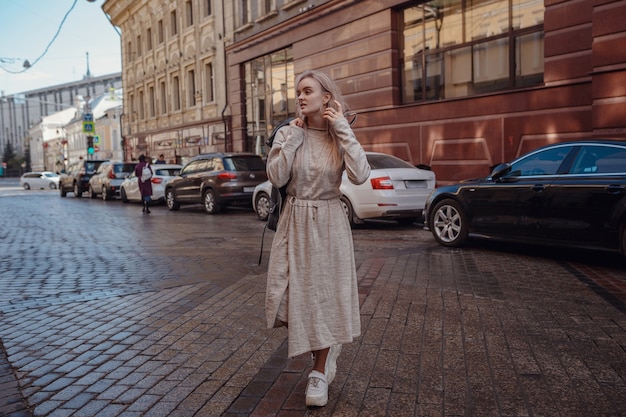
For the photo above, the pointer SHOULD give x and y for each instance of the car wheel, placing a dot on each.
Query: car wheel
(26, 186)
(92, 193)
(210, 202)
(105, 194)
(78, 193)
(448, 223)
(262, 205)
(170, 200)
(347, 208)
(53, 186)
(123, 196)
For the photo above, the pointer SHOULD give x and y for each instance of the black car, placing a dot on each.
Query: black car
(216, 180)
(76, 178)
(566, 194)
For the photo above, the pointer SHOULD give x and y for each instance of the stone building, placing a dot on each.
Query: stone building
(459, 86)
(23, 111)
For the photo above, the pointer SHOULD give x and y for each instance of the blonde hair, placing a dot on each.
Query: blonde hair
(328, 86)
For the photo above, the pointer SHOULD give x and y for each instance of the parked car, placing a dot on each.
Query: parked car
(108, 178)
(163, 173)
(39, 180)
(395, 190)
(566, 194)
(216, 180)
(76, 178)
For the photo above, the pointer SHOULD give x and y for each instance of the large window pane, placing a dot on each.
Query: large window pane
(529, 58)
(486, 18)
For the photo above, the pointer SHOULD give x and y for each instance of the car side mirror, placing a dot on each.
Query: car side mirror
(500, 171)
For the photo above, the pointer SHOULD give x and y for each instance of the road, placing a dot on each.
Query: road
(106, 311)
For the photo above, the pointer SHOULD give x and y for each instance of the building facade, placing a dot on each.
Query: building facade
(173, 77)
(457, 85)
(21, 112)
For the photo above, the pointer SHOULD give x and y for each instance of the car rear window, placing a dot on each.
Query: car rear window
(91, 167)
(119, 168)
(386, 161)
(244, 163)
(170, 172)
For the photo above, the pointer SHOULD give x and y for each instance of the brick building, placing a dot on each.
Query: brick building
(458, 85)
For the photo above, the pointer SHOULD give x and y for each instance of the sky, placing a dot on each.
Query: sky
(28, 26)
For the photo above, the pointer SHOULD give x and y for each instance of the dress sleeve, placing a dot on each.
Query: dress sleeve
(282, 154)
(355, 161)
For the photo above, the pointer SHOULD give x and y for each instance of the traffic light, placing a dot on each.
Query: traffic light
(90, 149)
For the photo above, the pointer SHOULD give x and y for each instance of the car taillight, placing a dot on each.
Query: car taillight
(112, 175)
(226, 176)
(382, 183)
(155, 180)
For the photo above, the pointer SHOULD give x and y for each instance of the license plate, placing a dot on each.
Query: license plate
(248, 189)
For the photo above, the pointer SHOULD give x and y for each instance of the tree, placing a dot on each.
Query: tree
(8, 153)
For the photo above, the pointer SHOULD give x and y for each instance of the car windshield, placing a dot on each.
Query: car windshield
(378, 161)
(50, 174)
(244, 163)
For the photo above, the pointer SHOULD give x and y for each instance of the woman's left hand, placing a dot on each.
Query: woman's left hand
(332, 115)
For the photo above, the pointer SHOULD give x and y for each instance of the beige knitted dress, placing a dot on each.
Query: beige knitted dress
(311, 278)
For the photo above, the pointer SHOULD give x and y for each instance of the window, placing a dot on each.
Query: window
(459, 48)
(244, 12)
(133, 108)
(189, 12)
(151, 102)
(269, 94)
(149, 39)
(175, 93)
(163, 101)
(191, 88)
(173, 23)
(266, 6)
(208, 83)
(207, 8)
(138, 45)
(141, 105)
(160, 37)
(129, 51)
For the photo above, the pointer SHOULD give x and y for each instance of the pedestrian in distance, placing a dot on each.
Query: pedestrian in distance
(161, 159)
(143, 172)
(311, 278)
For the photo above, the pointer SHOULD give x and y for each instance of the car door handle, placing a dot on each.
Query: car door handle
(538, 188)
(615, 189)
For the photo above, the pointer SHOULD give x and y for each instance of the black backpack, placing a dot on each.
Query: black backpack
(278, 195)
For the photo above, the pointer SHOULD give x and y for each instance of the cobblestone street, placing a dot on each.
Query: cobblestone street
(108, 312)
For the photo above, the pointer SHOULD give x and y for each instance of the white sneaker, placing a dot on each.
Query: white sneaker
(317, 390)
(330, 368)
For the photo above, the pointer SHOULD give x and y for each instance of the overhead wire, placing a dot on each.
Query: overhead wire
(26, 68)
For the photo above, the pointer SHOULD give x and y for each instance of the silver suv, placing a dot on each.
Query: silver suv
(108, 178)
(216, 180)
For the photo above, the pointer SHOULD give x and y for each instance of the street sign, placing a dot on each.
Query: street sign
(96, 148)
(96, 140)
(88, 117)
(89, 127)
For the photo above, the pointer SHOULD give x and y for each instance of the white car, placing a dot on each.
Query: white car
(395, 190)
(129, 190)
(37, 180)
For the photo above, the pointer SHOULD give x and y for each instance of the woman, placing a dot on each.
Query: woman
(311, 280)
(144, 182)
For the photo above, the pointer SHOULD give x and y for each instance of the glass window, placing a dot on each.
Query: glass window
(454, 48)
(173, 22)
(601, 160)
(546, 162)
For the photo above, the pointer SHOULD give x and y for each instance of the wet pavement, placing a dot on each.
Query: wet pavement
(108, 312)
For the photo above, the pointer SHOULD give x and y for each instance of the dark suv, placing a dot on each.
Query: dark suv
(216, 180)
(76, 178)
